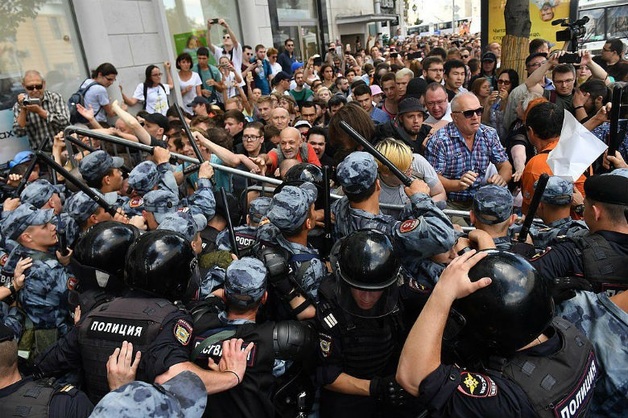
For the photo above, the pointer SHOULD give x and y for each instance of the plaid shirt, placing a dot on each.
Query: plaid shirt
(447, 152)
(38, 129)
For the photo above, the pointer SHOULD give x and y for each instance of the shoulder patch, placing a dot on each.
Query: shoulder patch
(136, 202)
(72, 282)
(3, 259)
(477, 385)
(264, 221)
(183, 209)
(409, 225)
(183, 331)
(325, 344)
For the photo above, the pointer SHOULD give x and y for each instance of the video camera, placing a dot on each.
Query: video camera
(574, 31)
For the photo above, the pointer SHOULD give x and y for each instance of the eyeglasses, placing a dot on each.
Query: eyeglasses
(464, 56)
(273, 56)
(469, 113)
(250, 138)
(34, 87)
(506, 82)
(436, 103)
(437, 70)
(607, 50)
(290, 45)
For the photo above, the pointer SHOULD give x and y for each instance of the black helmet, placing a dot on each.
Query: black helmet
(103, 248)
(162, 263)
(507, 315)
(364, 260)
(302, 172)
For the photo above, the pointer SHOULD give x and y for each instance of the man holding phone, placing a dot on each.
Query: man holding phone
(39, 113)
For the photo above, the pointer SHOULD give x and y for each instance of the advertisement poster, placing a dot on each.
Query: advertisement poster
(542, 13)
(10, 144)
(190, 41)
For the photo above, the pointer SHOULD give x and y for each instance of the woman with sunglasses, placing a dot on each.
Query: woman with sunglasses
(507, 80)
(152, 93)
(272, 55)
(96, 96)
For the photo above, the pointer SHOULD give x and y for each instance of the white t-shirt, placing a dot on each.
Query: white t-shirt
(96, 97)
(235, 58)
(446, 117)
(194, 81)
(230, 83)
(157, 101)
(276, 67)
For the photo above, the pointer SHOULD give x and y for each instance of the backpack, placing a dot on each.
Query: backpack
(79, 98)
(146, 94)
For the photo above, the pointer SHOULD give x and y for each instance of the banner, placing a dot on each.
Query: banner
(542, 13)
(10, 144)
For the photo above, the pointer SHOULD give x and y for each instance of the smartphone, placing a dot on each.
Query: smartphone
(394, 55)
(214, 21)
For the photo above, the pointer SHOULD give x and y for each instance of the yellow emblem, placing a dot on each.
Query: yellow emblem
(471, 383)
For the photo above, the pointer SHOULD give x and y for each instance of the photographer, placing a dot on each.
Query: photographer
(39, 113)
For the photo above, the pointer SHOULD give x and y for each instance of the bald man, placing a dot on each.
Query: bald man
(291, 145)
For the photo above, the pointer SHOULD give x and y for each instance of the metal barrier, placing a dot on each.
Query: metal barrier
(149, 150)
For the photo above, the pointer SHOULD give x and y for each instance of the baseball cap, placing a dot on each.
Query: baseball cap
(38, 193)
(410, 104)
(296, 65)
(158, 119)
(301, 123)
(80, 206)
(245, 281)
(182, 396)
(489, 56)
(281, 76)
(557, 192)
(198, 100)
(536, 54)
(24, 216)
(21, 158)
(290, 207)
(144, 177)
(160, 203)
(492, 204)
(98, 163)
(258, 208)
(357, 172)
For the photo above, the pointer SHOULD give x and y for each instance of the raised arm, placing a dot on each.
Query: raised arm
(142, 135)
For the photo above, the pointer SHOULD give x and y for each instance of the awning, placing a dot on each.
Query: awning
(346, 20)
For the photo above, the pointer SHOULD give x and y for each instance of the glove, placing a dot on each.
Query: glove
(386, 389)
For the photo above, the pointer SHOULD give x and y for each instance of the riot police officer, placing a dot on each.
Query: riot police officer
(159, 268)
(511, 356)
(235, 313)
(360, 329)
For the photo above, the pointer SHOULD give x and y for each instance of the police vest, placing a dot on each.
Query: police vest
(560, 385)
(251, 398)
(135, 320)
(30, 400)
(368, 344)
(602, 265)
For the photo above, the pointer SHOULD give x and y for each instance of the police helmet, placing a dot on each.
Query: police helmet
(103, 248)
(507, 315)
(305, 172)
(162, 263)
(365, 261)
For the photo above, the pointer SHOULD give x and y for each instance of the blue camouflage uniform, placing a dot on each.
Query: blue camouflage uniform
(245, 234)
(493, 205)
(425, 231)
(288, 211)
(96, 165)
(161, 202)
(184, 223)
(182, 396)
(37, 194)
(606, 325)
(44, 297)
(143, 178)
(80, 206)
(558, 192)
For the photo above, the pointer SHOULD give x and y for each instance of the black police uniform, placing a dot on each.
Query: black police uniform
(34, 399)
(156, 327)
(360, 347)
(253, 397)
(598, 257)
(553, 379)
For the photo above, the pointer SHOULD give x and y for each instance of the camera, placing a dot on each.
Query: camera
(214, 21)
(394, 54)
(574, 31)
(31, 101)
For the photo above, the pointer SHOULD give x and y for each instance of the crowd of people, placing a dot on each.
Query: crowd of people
(141, 283)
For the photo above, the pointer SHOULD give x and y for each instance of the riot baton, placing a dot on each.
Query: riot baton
(125, 142)
(327, 215)
(405, 179)
(63, 244)
(79, 185)
(31, 166)
(534, 205)
(615, 137)
(186, 128)
(232, 237)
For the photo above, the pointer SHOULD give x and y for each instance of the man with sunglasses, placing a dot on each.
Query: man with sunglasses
(287, 58)
(462, 151)
(230, 45)
(39, 113)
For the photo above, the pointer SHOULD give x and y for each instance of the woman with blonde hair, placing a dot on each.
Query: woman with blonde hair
(414, 165)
